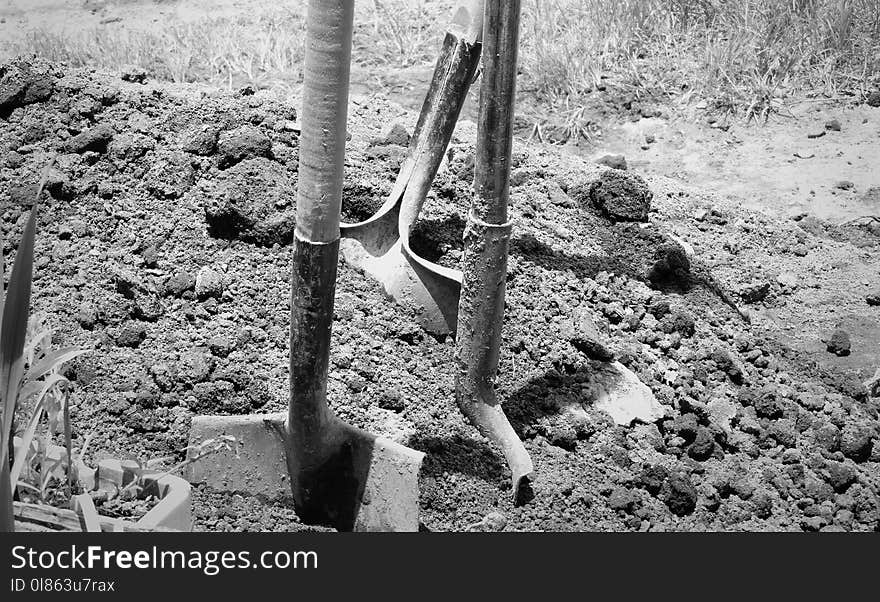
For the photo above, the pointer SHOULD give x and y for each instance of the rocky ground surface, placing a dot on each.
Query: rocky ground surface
(163, 248)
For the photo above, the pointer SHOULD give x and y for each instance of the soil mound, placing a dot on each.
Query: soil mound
(163, 250)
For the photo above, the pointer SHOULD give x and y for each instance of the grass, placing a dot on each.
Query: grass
(43, 392)
(261, 49)
(397, 33)
(741, 57)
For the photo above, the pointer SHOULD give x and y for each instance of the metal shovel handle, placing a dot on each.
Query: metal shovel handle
(487, 240)
(316, 239)
(324, 115)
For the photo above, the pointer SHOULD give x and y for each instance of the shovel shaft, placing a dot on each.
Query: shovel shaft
(324, 113)
(497, 97)
(478, 341)
(486, 240)
(311, 317)
(316, 241)
(453, 74)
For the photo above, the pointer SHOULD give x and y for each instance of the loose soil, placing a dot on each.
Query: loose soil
(163, 247)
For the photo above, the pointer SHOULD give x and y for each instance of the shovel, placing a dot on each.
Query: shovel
(486, 244)
(380, 245)
(339, 475)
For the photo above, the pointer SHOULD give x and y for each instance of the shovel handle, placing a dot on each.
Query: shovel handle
(324, 115)
(453, 73)
(487, 240)
(497, 98)
(316, 240)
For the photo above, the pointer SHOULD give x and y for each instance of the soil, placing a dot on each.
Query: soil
(777, 167)
(790, 165)
(163, 247)
(129, 509)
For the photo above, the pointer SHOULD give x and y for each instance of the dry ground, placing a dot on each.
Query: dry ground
(727, 186)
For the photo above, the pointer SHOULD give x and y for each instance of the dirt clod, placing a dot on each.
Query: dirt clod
(679, 494)
(671, 266)
(24, 82)
(134, 74)
(132, 334)
(179, 283)
(251, 201)
(244, 142)
(582, 333)
(703, 445)
(396, 134)
(200, 140)
(209, 283)
(95, 139)
(856, 440)
(755, 292)
(621, 196)
(839, 343)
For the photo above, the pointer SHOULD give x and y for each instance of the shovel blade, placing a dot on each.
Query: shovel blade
(390, 499)
(385, 496)
(415, 284)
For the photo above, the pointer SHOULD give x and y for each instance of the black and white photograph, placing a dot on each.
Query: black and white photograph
(469, 266)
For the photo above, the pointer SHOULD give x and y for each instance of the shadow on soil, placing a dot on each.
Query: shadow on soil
(627, 250)
(458, 454)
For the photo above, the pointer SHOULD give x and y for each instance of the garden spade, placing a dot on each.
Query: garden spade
(380, 245)
(486, 244)
(339, 475)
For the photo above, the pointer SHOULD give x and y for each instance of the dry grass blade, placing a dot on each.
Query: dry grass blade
(26, 441)
(645, 49)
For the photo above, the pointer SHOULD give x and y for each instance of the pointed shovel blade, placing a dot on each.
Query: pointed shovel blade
(429, 290)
